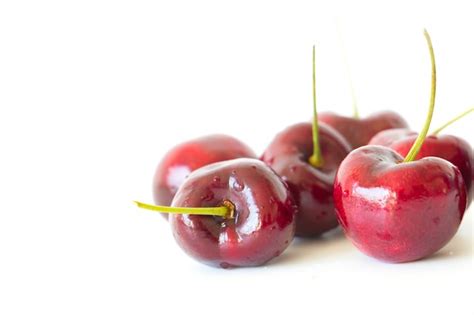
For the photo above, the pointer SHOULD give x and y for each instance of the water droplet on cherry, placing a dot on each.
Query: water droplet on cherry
(237, 186)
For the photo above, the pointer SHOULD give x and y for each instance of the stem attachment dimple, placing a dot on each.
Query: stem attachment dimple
(224, 211)
(411, 155)
(316, 158)
(230, 207)
(465, 113)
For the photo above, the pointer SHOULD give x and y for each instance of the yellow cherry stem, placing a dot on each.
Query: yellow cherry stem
(411, 155)
(465, 113)
(227, 210)
(316, 159)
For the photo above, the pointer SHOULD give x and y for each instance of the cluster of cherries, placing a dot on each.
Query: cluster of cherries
(398, 195)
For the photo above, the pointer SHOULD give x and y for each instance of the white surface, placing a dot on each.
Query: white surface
(93, 93)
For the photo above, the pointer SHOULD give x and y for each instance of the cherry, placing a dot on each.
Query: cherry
(359, 131)
(181, 160)
(388, 137)
(448, 147)
(397, 209)
(306, 156)
(239, 214)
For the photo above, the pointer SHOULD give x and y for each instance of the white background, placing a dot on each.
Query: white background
(93, 93)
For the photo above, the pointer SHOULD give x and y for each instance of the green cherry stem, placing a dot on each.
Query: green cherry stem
(226, 210)
(411, 155)
(316, 159)
(465, 113)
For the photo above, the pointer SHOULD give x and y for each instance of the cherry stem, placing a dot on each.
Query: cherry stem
(411, 155)
(355, 110)
(316, 159)
(465, 113)
(226, 210)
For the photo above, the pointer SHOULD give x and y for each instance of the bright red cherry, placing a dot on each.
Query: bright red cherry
(254, 217)
(180, 161)
(397, 209)
(359, 131)
(307, 156)
(450, 148)
(390, 136)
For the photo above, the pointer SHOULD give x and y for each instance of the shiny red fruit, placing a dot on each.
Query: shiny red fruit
(358, 132)
(264, 224)
(450, 148)
(395, 211)
(312, 188)
(180, 161)
(390, 136)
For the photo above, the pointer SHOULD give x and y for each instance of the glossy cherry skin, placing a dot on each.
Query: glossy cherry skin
(312, 188)
(394, 211)
(184, 158)
(264, 222)
(451, 148)
(358, 132)
(390, 136)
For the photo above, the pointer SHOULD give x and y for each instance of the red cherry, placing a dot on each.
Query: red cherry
(359, 131)
(263, 221)
(312, 187)
(306, 156)
(390, 136)
(395, 211)
(450, 148)
(180, 161)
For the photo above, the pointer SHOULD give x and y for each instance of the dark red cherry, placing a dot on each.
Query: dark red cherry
(312, 188)
(180, 161)
(263, 221)
(359, 131)
(306, 156)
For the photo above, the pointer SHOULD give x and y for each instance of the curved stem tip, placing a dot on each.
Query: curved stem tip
(411, 155)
